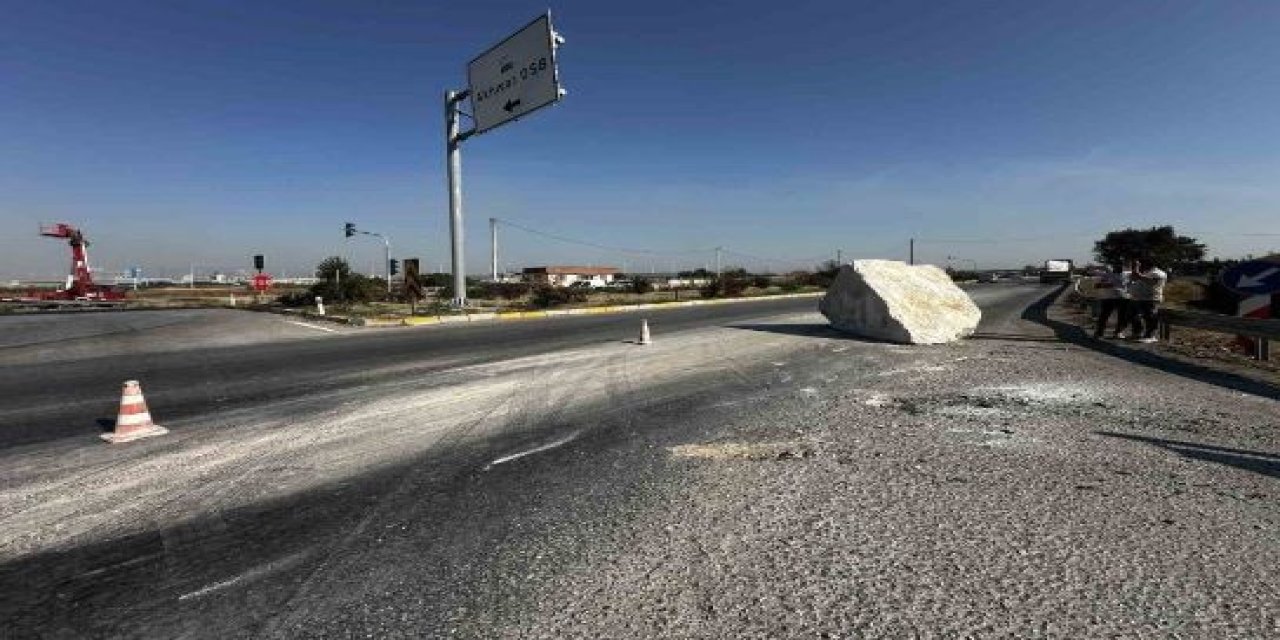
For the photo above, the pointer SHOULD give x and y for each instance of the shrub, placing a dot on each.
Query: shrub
(354, 288)
(546, 296)
(641, 286)
(727, 286)
(503, 290)
(297, 299)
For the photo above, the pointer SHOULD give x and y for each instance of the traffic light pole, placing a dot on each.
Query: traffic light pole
(386, 260)
(351, 230)
(386, 255)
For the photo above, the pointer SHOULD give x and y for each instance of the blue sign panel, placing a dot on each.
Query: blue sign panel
(1254, 278)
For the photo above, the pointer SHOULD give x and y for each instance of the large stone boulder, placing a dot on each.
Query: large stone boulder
(897, 302)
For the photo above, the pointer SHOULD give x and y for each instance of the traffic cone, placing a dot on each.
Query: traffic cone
(134, 420)
(644, 333)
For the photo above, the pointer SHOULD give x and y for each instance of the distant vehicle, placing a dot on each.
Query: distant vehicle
(1057, 270)
(990, 276)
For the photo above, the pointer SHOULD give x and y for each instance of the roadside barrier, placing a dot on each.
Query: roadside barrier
(1263, 330)
(644, 332)
(134, 419)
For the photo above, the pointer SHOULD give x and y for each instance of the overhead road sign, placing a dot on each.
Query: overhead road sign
(515, 77)
(510, 80)
(1255, 277)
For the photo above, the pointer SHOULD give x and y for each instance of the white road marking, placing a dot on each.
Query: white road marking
(516, 456)
(312, 326)
(255, 572)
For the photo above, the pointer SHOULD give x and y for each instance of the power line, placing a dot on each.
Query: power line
(802, 261)
(1056, 236)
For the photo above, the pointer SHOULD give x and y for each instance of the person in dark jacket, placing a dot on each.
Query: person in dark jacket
(1146, 292)
(1112, 293)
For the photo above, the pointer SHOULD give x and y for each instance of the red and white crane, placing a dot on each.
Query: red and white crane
(80, 285)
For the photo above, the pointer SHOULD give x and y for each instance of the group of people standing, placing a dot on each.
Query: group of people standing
(1132, 292)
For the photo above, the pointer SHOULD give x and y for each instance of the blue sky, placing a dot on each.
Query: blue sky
(203, 132)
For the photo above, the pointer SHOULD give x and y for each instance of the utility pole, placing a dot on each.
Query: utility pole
(839, 257)
(718, 250)
(493, 246)
(911, 252)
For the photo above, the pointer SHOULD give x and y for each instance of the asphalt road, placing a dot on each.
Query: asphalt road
(749, 475)
(51, 396)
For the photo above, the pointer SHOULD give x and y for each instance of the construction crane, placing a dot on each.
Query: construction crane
(80, 285)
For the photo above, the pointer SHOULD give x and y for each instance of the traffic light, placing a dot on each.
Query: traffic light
(350, 229)
(259, 263)
(394, 266)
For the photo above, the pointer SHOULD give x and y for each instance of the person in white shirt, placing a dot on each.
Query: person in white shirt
(1113, 297)
(1146, 292)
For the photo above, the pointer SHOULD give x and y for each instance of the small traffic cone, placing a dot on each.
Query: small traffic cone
(644, 333)
(134, 420)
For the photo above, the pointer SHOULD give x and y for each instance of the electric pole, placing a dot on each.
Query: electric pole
(911, 252)
(718, 250)
(493, 246)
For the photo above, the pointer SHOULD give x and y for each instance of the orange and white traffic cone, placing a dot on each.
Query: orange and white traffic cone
(644, 333)
(134, 420)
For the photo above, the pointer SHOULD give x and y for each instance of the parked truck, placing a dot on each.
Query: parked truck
(1057, 270)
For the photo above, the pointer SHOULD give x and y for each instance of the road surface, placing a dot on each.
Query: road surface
(751, 474)
(66, 371)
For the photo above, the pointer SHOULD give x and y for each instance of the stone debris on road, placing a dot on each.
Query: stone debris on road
(897, 302)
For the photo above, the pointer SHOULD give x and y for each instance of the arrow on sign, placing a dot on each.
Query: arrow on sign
(1249, 282)
(511, 104)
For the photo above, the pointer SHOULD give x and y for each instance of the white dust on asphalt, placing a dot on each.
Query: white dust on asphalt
(57, 496)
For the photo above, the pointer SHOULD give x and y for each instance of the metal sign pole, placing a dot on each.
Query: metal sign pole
(453, 144)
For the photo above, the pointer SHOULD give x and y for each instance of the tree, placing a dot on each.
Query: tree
(641, 285)
(331, 266)
(346, 286)
(824, 274)
(1161, 244)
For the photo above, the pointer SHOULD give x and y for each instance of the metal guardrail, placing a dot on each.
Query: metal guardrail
(1263, 331)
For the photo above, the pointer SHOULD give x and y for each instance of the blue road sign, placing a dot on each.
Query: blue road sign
(1254, 278)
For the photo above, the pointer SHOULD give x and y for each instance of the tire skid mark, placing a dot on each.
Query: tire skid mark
(344, 546)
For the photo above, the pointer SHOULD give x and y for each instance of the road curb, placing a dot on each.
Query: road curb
(500, 316)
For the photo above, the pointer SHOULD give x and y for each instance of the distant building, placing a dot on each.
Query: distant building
(565, 276)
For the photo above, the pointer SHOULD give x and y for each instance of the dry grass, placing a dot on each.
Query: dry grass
(1177, 293)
